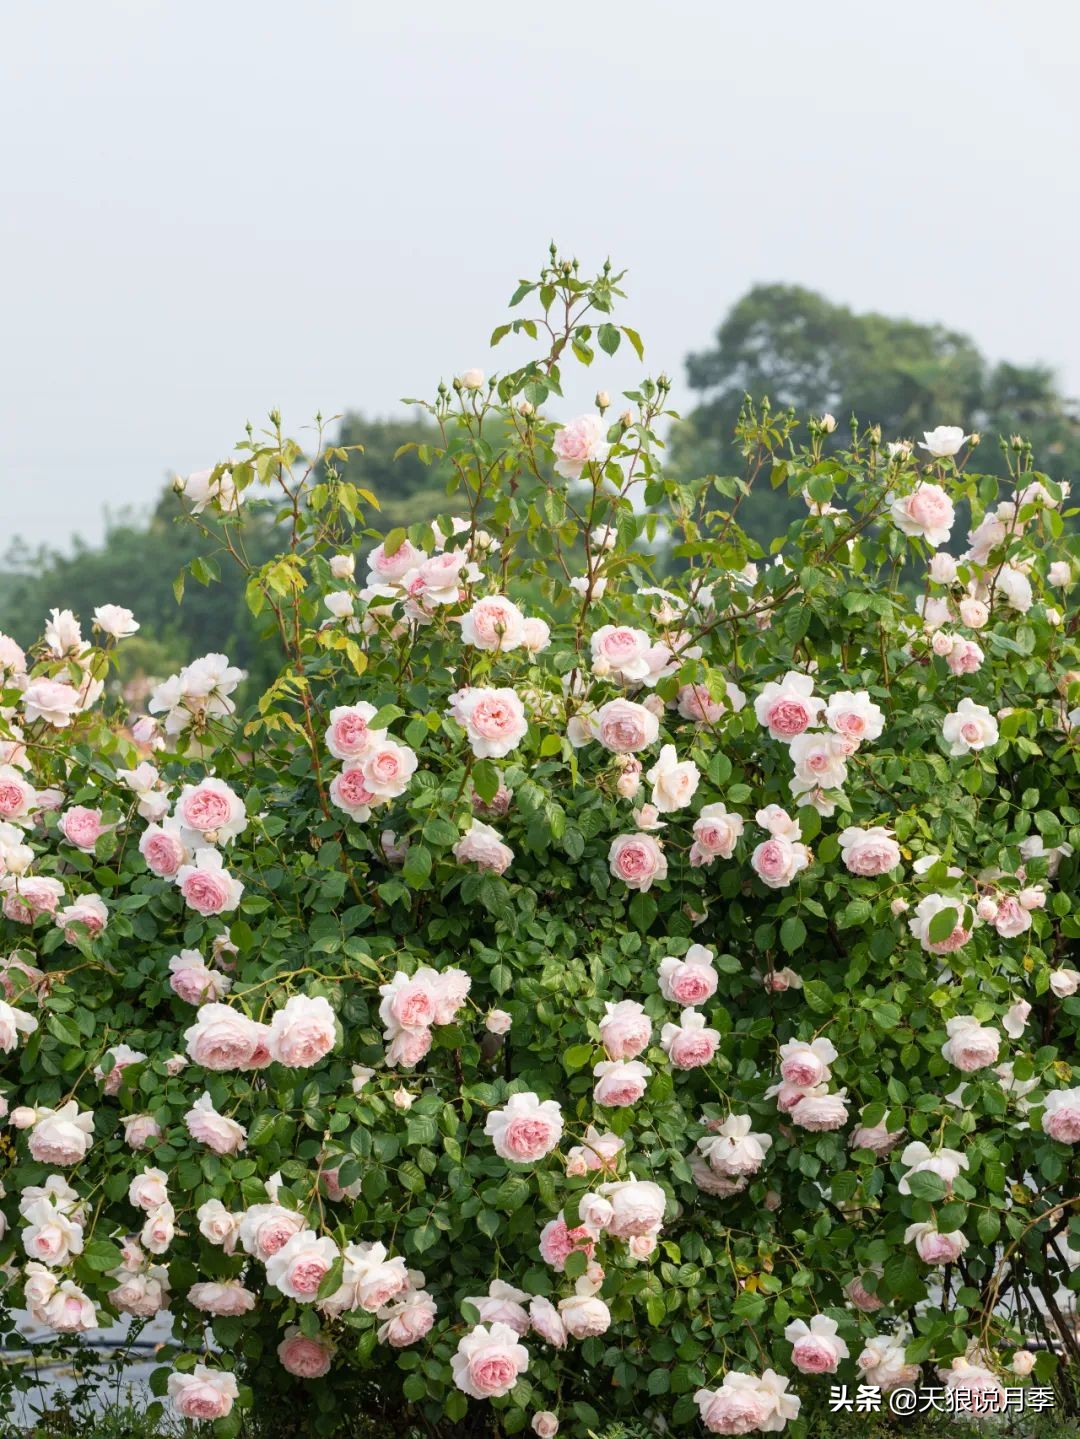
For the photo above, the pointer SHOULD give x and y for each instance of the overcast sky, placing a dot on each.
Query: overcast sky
(217, 206)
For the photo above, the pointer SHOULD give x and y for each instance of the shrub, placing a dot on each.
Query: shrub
(562, 993)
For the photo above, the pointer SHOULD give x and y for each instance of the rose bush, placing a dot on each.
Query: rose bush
(563, 996)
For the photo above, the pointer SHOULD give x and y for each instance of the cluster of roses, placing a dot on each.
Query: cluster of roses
(412, 1004)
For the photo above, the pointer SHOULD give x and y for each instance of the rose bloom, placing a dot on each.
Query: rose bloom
(159, 1230)
(744, 1403)
(349, 735)
(525, 1129)
(790, 707)
(193, 981)
(819, 1111)
(883, 1363)
(1064, 982)
(69, 1311)
(638, 860)
(733, 1150)
(149, 1189)
(226, 1298)
(139, 1129)
(964, 657)
(82, 827)
(777, 861)
(691, 980)
(547, 1322)
(207, 886)
(88, 910)
(1061, 1116)
(141, 1294)
(488, 1361)
(1010, 917)
(584, 1314)
(163, 849)
(929, 906)
(203, 1394)
(861, 1297)
(409, 1002)
(599, 1151)
(806, 1064)
(972, 1389)
(622, 726)
(502, 1304)
(944, 441)
(27, 896)
(927, 513)
(222, 1038)
(483, 846)
(305, 1357)
(969, 728)
(51, 701)
(689, 1044)
(816, 1347)
(61, 1136)
(387, 768)
(210, 808)
(934, 1247)
(619, 1082)
(392, 567)
(299, 1267)
(558, 1241)
(673, 781)
(535, 635)
(14, 1022)
(577, 444)
(544, 1424)
(493, 719)
(716, 832)
(625, 1029)
(920, 1159)
(207, 1126)
(50, 1235)
(970, 1045)
(637, 1207)
(408, 1318)
(621, 651)
(869, 852)
(493, 623)
(263, 1229)
(302, 1032)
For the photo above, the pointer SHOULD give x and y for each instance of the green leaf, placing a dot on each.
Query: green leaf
(792, 934)
(486, 780)
(942, 925)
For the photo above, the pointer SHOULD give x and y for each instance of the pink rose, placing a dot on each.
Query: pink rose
(223, 1038)
(970, 1045)
(579, 443)
(349, 735)
(307, 1358)
(869, 852)
(558, 1241)
(1061, 1116)
(789, 707)
(625, 1029)
(689, 1044)
(265, 1229)
(482, 845)
(202, 1394)
(163, 849)
(349, 792)
(806, 1064)
(408, 1319)
(493, 623)
(493, 719)
(637, 860)
(391, 567)
(623, 726)
(207, 886)
(82, 827)
(51, 701)
(688, 981)
(207, 1126)
(408, 1047)
(619, 1082)
(212, 809)
(816, 1347)
(778, 860)
(926, 513)
(933, 1247)
(716, 832)
(525, 1129)
(488, 1361)
(302, 1032)
(299, 1267)
(227, 1298)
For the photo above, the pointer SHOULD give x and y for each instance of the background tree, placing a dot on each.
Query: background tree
(799, 349)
